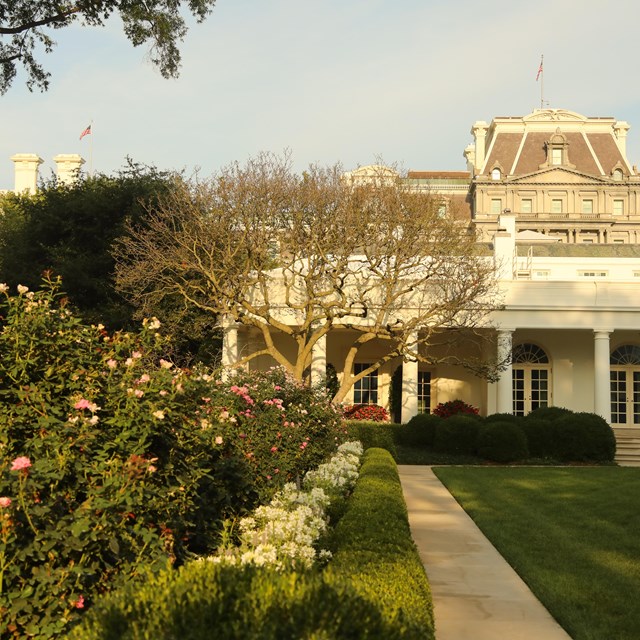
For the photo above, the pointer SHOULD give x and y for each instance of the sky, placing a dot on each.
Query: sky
(331, 81)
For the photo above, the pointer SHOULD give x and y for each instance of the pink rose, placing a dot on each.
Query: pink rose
(20, 463)
(5, 502)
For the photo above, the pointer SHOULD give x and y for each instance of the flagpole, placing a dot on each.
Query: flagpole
(91, 150)
(542, 82)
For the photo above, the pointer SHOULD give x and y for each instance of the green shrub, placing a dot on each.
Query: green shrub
(373, 434)
(204, 600)
(375, 587)
(374, 551)
(502, 441)
(540, 437)
(112, 458)
(421, 430)
(503, 417)
(548, 413)
(584, 437)
(457, 434)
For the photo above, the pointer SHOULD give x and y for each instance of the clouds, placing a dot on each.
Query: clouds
(332, 81)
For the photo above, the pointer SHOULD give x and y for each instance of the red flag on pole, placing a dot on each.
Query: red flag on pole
(86, 132)
(539, 70)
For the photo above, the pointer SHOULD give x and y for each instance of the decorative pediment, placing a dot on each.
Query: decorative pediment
(558, 175)
(553, 115)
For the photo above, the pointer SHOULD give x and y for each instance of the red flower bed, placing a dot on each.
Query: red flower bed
(454, 407)
(371, 412)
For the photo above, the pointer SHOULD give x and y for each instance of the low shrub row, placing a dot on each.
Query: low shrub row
(375, 586)
(374, 551)
(548, 433)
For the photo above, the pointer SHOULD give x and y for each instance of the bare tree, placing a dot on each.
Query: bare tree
(302, 255)
(26, 25)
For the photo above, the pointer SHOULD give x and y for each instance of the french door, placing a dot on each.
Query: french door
(625, 395)
(531, 389)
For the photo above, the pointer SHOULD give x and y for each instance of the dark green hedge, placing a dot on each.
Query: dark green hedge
(502, 441)
(204, 600)
(374, 551)
(552, 433)
(374, 434)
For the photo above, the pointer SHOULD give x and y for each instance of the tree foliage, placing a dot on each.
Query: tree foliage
(69, 229)
(300, 255)
(26, 26)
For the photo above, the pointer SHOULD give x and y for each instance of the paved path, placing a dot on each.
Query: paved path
(476, 594)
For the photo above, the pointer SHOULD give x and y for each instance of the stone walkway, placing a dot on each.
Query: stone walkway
(476, 594)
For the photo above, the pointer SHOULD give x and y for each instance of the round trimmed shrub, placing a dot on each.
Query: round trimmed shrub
(502, 441)
(503, 417)
(540, 437)
(549, 413)
(584, 437)
(457, 434)
(421, 429)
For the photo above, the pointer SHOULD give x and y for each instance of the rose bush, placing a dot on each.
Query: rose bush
(111, 458)
(371, 412)
(454, 407)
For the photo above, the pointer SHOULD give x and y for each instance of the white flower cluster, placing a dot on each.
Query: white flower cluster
(284, 533)
(340, 473)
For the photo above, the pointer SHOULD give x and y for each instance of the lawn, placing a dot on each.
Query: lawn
(572, 533)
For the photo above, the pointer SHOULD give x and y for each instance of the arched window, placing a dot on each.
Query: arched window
(528, 353)
(617, 174)
(626, 354)
(531, 378)
(496, 174)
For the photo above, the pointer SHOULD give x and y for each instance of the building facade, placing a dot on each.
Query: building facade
(556, 202)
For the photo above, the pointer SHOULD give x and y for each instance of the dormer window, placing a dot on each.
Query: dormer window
(617, 174)
(496, 174)
(557, 149)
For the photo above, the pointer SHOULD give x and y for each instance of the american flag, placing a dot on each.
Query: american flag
(86, 132)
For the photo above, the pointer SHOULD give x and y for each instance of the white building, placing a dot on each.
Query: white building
(558, 203)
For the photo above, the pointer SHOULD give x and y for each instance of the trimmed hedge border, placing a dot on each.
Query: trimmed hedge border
(551, 434)
(375, 587)
(376, 554)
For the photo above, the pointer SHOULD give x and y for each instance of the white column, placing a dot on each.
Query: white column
(26, 172)
(409, 386)
(319, 361)
(601, 368)
(230, 351)
(68, 166)
(505, 382)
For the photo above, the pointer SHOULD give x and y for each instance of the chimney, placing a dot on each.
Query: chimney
(621, 129)
(470, 157)
(504, 246)
(68, 167)
(479, 131)
(26, 171)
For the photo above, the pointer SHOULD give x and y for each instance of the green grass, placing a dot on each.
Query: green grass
(572, 533)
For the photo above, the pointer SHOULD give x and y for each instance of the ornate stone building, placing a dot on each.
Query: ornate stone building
(559, 173)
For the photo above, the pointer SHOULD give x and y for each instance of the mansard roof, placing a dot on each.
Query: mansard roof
(518, 145)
